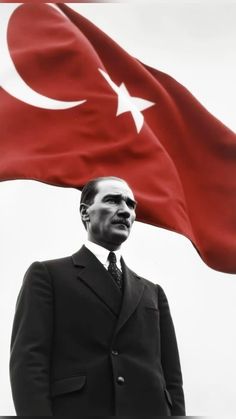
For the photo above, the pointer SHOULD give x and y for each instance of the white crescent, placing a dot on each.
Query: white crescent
(10, 79)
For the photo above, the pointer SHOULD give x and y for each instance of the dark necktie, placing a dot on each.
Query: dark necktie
(114, 270)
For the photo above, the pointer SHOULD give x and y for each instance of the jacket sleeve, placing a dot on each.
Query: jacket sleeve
(31, 344)
(170, 357)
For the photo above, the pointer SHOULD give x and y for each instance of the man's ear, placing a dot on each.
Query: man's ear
(84, 212)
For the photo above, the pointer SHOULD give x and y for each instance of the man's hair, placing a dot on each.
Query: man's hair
(90, 189)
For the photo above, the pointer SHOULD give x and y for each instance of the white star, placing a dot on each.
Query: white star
(127, 103)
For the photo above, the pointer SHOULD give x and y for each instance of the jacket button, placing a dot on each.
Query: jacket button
(114, 352)
(120, 380)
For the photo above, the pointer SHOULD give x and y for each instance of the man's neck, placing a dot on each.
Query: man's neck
(109, 246)
(102, 253)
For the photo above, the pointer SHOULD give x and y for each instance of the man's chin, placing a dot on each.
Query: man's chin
(120, 234)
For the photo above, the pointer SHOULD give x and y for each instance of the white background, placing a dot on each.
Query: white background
(195, 42)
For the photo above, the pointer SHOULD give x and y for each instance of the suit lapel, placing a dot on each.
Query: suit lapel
(96, 277)
(133, 291)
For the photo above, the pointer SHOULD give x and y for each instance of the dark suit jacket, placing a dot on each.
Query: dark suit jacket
(79, 348)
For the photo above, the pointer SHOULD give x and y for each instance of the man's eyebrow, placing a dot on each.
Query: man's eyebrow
(119, 196)
(112, 195)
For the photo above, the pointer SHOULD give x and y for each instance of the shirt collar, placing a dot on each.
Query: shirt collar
(102, 253)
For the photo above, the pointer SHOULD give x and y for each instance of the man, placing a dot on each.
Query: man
(90, 337)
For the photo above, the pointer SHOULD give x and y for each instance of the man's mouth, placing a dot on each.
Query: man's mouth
(122, 222)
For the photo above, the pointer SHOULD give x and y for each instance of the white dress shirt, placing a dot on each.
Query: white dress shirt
(102, 254)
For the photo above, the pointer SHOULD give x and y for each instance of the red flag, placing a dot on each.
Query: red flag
(75, 106)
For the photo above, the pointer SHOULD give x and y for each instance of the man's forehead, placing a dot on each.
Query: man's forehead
(110, 186)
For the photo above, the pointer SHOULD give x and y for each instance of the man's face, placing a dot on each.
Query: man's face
(112, 214)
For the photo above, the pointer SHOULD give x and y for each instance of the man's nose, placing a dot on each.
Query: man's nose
(124, 210)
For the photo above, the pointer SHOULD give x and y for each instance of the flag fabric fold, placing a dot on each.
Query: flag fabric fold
(82, 107)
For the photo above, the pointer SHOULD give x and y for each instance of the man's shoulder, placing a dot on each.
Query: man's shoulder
(156, 287)
(150, 284)
(59, 263)
(152, 287)
(145, 281)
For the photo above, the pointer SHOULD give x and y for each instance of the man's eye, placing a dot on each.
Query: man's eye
(131, 204)
(111, 200)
